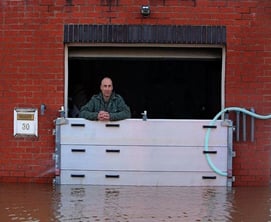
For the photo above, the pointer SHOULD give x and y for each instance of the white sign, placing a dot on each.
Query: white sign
(25, 122)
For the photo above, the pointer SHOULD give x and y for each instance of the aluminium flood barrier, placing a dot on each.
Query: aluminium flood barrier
(156, 152)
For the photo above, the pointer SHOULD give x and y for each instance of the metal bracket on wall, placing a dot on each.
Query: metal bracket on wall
(227, 123)
(243, 127)
(61, 121)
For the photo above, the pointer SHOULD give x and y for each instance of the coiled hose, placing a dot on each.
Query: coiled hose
(207, 135)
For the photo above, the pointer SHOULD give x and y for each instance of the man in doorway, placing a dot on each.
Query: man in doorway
(106, 106)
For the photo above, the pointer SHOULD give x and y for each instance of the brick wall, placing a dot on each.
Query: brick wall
(32, 70)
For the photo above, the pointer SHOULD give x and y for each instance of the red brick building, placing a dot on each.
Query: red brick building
(47, 45)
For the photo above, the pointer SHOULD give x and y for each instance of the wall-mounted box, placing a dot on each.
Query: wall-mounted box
(25, 122)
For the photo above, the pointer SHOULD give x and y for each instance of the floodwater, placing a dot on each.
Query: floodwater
(74, 203)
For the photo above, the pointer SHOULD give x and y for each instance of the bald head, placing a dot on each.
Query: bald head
(106, 88)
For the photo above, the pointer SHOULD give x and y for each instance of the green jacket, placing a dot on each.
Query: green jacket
(116, 107)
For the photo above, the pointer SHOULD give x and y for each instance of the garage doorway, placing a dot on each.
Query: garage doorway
(169, 81)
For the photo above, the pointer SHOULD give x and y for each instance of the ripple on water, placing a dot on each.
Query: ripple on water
(36, 202)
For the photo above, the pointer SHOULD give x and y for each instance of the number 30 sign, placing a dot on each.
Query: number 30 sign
(25, 122)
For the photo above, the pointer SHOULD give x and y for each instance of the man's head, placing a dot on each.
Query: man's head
(106, 88)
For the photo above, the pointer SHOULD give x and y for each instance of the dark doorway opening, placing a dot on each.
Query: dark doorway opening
(168, 88)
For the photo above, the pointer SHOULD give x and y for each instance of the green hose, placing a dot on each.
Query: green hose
(206, 144)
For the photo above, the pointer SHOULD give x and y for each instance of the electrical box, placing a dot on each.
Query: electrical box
(25, 122)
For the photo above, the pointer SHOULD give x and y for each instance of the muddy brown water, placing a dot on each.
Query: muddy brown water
(45, 202)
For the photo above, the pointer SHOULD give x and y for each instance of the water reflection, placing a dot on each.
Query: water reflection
(39, 202)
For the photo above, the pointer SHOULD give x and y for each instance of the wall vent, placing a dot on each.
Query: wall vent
(162, 34)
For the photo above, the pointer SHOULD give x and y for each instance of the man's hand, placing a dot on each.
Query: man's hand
(103, 116)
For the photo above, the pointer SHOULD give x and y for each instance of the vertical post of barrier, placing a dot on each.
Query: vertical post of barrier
(252, 125)
(229, 154)
(244, 128)
(237, 126)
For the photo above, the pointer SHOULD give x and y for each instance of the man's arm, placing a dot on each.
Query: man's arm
(123, 111)
(88, 112)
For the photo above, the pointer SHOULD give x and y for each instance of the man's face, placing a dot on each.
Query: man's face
(106, 88)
